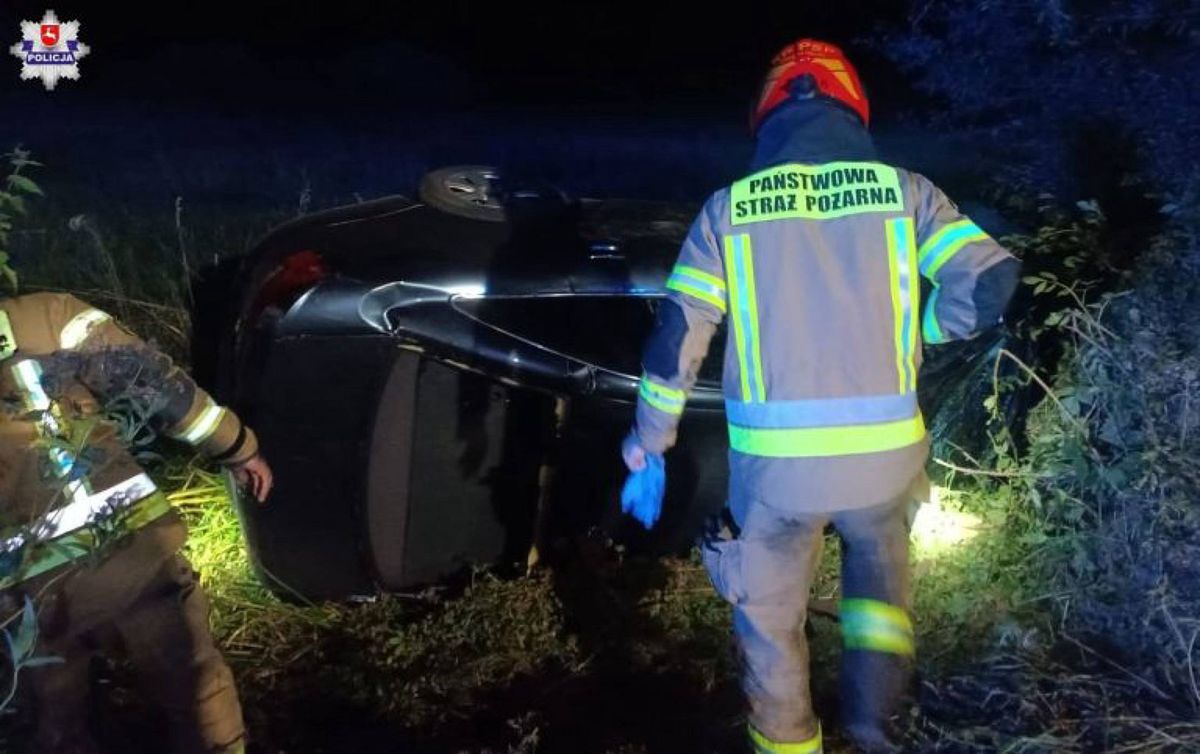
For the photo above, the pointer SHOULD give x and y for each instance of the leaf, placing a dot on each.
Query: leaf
(19, 158)
(16, 202)
(1035, 537)
(20, 646)
(1071, 404)
(1115, 477)
(1111, 431)
(59, 549)
(21, 183)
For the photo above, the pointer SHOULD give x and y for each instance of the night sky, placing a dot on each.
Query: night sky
(246, 103)
(301, 55)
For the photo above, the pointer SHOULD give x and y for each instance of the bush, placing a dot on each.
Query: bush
(1095, 648)
(1064, 88)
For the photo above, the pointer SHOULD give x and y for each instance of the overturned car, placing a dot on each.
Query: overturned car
(446, 381)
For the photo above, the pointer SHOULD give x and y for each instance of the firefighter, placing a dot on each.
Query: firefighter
(86, 535)
(816, 259)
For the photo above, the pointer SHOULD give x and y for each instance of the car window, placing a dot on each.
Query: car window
(608, 331)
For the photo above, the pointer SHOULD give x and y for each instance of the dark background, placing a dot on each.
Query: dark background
(245, 115)
(634, 57)
(322, 103)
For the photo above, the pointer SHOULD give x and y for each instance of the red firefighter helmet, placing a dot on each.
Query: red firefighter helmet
(828, 69)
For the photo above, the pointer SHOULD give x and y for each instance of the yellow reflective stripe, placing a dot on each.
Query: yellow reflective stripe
(86, 509)
(755, 342)
(947, 242)
(764, 745)
(897, 308)
(202, 427)
(743, 300)
(50, 554)
(661, 405)
(931, 330)
(661, 397)
(936, 239)
(876, 626)
(908, 233)
(77, 330)
(811, 442)
(886, 643)
(687, 288)
(905, 292)
(735, 303)
(700, 275)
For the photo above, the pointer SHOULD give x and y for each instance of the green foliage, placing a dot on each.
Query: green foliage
(434, 663)
(1091, 529)
(12, 204)
(21, 645)
(1067, 259)
(131, 417)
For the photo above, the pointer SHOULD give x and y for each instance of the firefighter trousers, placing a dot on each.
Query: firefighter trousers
(158, 619)
(766, 572)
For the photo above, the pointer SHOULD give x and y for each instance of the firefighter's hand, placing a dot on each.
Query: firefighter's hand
(642, 495)
(255, 475)
(633, 453)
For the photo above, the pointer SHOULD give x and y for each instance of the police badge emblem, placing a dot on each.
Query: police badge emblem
(49, 50)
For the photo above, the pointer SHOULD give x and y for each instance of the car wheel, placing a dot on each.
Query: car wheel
(466, 190)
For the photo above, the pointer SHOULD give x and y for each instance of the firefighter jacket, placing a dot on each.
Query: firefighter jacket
(816, 267)
(67, 479)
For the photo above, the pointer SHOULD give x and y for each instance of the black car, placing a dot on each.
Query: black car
(446, 381)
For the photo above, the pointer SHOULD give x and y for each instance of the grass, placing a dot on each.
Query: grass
(428, 667)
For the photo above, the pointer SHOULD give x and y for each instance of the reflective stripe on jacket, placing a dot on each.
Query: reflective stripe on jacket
(818, 267)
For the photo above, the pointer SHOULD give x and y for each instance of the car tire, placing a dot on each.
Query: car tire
(470, 191)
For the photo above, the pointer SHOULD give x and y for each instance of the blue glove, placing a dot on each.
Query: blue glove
(642, 495)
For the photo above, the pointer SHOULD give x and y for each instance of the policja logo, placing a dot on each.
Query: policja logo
(50, 50)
